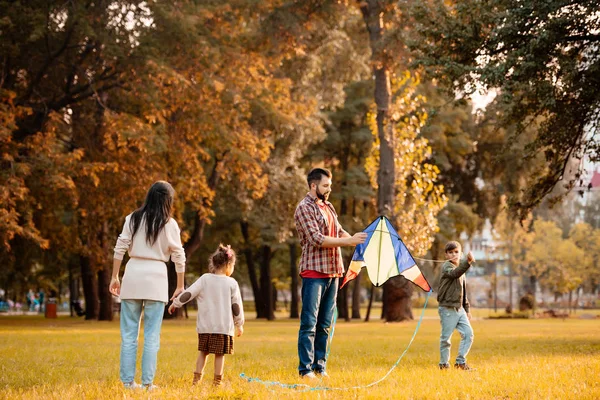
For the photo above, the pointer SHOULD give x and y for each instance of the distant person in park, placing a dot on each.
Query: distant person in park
(150, 236)
(30, 300)
(41, 297)
(220, 311)
(321, 237)
(454, 306)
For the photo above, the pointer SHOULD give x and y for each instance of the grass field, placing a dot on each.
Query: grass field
(532, 359)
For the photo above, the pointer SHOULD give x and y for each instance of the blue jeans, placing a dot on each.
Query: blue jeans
(452, 319)
(318, 304)
(131, 312)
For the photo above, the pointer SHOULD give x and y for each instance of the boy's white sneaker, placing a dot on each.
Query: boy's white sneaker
(150, 387)
(310, 375)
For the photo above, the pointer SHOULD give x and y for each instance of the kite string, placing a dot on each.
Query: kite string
(335, 315)
(425, 259)
(310, 389)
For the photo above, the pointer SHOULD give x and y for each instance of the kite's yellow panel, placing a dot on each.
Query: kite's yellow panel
(380, 257)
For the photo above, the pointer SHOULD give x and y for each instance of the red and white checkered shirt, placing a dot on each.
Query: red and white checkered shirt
(312, 228)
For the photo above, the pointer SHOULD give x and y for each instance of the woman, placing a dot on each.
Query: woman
(150, 236)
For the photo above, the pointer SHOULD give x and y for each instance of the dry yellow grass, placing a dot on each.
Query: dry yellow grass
(530, 359)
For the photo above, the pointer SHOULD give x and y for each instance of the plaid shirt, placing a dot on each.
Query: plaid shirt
(312, 228)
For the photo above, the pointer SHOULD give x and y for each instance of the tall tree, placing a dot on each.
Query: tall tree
(540, 56)
(587, 239)
(63, 58)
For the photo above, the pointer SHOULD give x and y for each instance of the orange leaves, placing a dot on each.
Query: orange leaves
(219, 87)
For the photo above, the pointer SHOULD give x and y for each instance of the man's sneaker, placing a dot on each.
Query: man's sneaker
(444, 366)
(310, 375)
(322, 374)
(150, 387)
(463, 367)
(132, 385)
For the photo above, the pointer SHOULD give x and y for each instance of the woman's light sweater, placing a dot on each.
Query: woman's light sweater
(145, 275)
(219, 300)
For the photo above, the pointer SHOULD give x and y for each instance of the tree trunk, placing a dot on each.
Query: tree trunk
(342, 303)
(510, 277)
(383, 304)
(294, 286)
(533, 285)
(266, 284)
(342, 296)
(370, 303)
(495, 276)
(570, 301)
(356, 298)
(90, 288)
(105, 312)
(172, 285)
(73, 286)
(260, 311)
(274, 298)
(397, 294)
(104, 272)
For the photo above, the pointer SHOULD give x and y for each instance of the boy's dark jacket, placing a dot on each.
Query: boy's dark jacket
(452, 290)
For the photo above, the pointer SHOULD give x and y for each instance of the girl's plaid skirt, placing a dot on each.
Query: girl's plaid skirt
(215, 343)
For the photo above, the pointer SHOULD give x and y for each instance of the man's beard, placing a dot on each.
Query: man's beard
(322, 196)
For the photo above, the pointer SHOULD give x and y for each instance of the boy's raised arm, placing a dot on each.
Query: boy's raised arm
(457, 272)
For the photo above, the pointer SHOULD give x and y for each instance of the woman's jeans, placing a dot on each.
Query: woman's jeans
(452, 319)
(131, 312)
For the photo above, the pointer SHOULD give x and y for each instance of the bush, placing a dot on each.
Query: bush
(418, 302)
(515, 315)
(526, 302)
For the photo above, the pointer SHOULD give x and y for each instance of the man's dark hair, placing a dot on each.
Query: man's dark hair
(316, 174)
(451, 246)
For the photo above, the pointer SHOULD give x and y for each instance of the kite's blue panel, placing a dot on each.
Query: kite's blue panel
(359, 252)
(403, 258)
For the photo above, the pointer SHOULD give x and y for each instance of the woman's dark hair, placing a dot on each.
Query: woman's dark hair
(222, 258)
(156, 211)
(316, 174)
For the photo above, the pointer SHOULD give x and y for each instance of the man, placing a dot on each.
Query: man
(321, 237)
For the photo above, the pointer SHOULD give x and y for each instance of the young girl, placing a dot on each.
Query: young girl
(150, 236)
(220, 311)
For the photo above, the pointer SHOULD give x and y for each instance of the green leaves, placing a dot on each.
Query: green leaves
(542, 57)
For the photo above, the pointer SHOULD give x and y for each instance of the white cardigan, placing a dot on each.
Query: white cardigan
(146, 273)
(220, 307)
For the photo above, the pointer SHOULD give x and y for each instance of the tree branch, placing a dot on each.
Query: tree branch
(46, 65)
(89, 46)
(577, 38)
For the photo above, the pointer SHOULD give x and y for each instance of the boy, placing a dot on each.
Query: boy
(454, 306)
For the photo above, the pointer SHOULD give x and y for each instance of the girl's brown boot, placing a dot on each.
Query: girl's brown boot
(197, 377)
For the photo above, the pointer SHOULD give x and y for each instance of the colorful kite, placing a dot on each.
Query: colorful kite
(385, 256)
